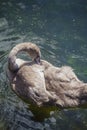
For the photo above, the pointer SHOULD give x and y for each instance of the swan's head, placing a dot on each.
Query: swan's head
(34, 53)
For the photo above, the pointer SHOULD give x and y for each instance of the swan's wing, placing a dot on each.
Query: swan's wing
(68, 88)
(63, 74)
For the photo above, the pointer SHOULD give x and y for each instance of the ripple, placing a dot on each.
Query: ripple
(62, 41)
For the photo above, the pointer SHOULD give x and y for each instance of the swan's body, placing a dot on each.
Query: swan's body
(42, 83)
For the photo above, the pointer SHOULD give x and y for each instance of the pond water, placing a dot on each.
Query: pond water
(59, 28)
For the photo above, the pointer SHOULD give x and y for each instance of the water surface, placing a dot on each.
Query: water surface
(59, 28)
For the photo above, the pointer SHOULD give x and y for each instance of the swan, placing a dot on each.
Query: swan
(41, 83)
(27, 78)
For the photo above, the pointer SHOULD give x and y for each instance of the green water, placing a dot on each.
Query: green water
(59, 28)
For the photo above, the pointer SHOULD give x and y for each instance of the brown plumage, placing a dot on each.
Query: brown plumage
(27, 78)
(42, 83)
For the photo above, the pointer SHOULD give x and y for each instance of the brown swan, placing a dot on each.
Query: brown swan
(27, 78)
(42, 83)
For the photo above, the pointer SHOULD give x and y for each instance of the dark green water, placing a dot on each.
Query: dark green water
(59, 27)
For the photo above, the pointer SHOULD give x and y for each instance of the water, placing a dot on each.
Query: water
(59, 28)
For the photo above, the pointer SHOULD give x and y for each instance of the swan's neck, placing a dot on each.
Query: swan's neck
(14, 64)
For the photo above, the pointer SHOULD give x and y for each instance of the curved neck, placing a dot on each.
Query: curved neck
(32, 49)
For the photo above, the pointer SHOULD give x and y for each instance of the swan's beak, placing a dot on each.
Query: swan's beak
(37, 60)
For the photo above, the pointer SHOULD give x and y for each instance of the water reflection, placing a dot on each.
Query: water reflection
(59, 28)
